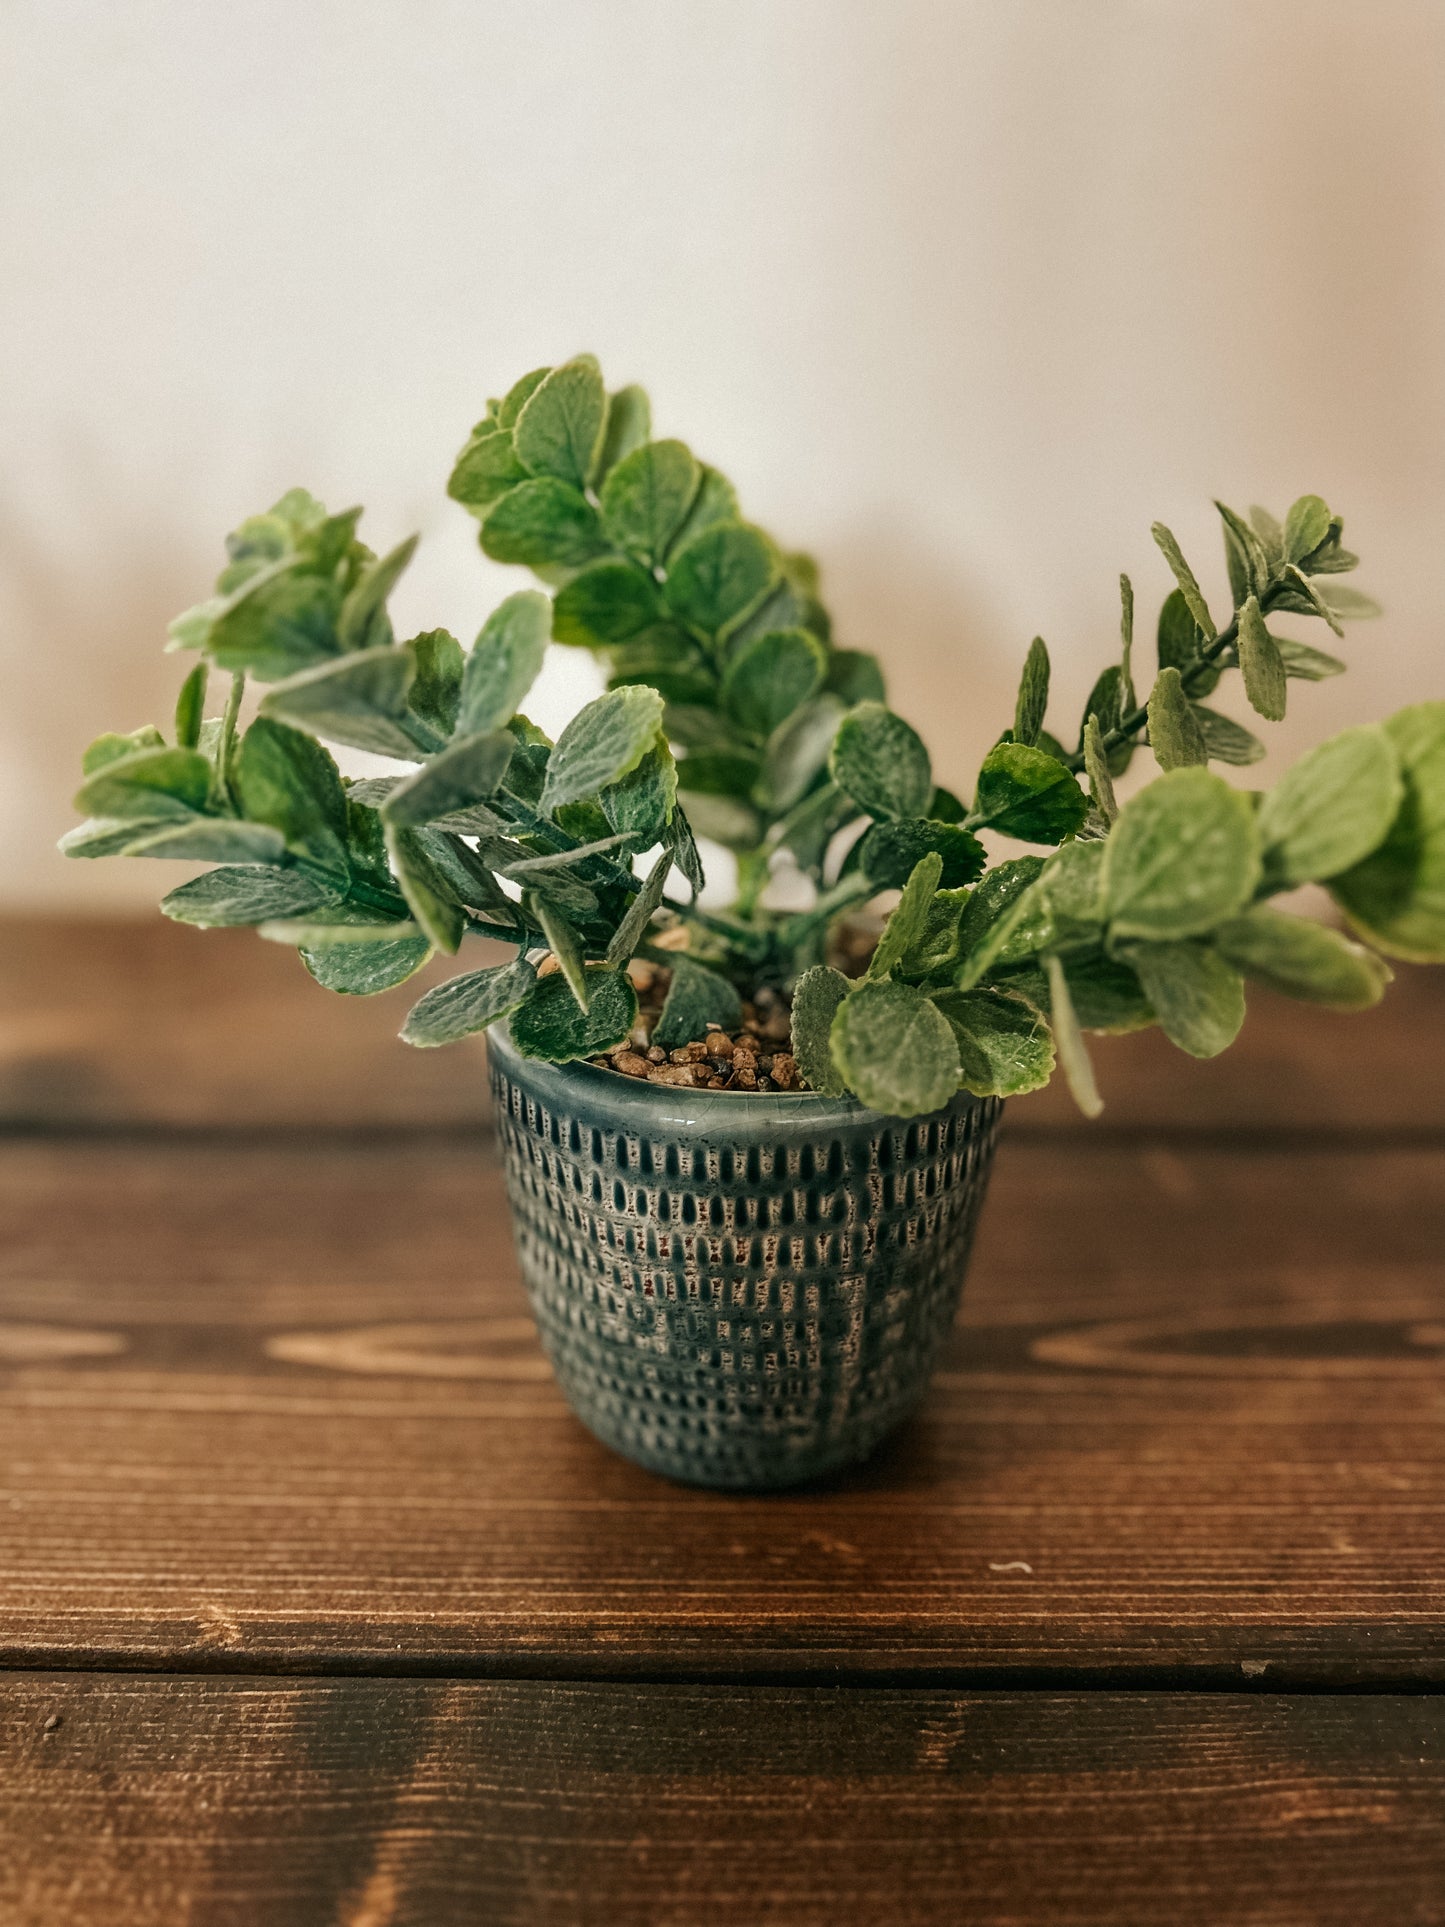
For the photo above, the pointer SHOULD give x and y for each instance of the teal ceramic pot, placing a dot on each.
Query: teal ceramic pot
(736, 1291)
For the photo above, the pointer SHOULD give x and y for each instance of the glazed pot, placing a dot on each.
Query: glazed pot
(736, 1291)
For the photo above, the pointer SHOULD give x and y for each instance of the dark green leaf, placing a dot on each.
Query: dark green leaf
(284, 777)
(1311, 665)
(1184, 576)
(718, 575)
(935, 951)
(1305, 527)
(646, 497)
(1179, 645)
(797, 752)
(191, 707)
(684, 849)
(549, 1024)
(1106, 994)
(996, 893)
(504, 661)
(1225, 740)
(543, 523)
(854, 676)
(281, 621)
(606, 604)
(640, 804)
(906, 924)
(564, 943)
(365, 969)
(696, 998)
(715, 501)
(436, 689)
(1004, 1045)
(1184, 854)
(429, 893)
(486, 468)
(1197, 997)
(771, 678)
(1024, 793)
(1096, 768)
(895, 1049)
(1176, 729)
(879, 761)
(817, 996)
(1033, 696)
(719, 772)
(1261, 663)
(1302, 959)
(148, 783)
(245, 895)
(601, 744)
(890, 851)
(358, 700)
(1332, 808)
(363, 622)
(466, 1004)
(629, 423)
(1249, 569)
(465, 773)
(559, 428)
(633, 927)
(1396, 896)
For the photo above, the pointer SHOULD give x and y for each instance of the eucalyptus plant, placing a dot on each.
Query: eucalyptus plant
(729, 713)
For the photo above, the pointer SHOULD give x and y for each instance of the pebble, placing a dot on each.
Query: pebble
(630, 1064)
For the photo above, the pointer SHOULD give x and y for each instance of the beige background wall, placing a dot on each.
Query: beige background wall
(962, 295)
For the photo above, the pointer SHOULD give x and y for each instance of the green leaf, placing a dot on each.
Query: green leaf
(854, 676)
(1249, 570)
(280, 622)
(906, 924)
(363, 622)
(996, 894)
(1179, 645)
(1025, 793)
(1265, 683)
(1299, 594)
(890, 851)
(543, 523)
(211, 839)
(724, 819)
(1311, 665)
(1332, 808)
(437, 687)
(895, 1049)
(797, 752)
(466, 1004)
(504, 661)
(720, 772)
(646, 497)
(345, 925)
(1184, 576)
(602, 743)
(629, 423)
(465, 773)
(112, 835)
(718, 575)
(935, 951)
(1225, 740)
(1071, 888)
(285, 778)
(110, 748)
(1184, 854)
(1197, 996)
(1396, 895)
(816, 998)
(1305, 527)
(1073, 1051)
(191, 706)
(1033, 696)
(716, 501)
(564, 943)
(771, 678)
(429, 893)
(684, 849)
(518, 395)
(633, 927)
(559, 427)
(1096, 768)
(640, 804)
(881, 763)
(1106, 994)
(607, 604)
(1347, 604)
(1004, 1046)
(486, 468)
(365, 969)
(1176, 731)
(1302, 959)
(359, 700)
(696, 998)
(148, 783)
(246, 894)
(549, 1025)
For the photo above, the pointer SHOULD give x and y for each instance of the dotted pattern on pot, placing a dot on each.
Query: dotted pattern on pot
(737, 1301)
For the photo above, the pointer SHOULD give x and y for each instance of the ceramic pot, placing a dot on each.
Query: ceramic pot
(736, 1291)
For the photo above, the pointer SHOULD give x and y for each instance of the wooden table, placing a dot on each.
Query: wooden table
(318, 1606)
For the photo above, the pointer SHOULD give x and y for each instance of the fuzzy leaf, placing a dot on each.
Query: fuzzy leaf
(1096, 768)
(560, 426)
(1347, 604)
(1025, 793)
(191, 706)
(717, 576)
(633, 927)
(1183, 855)
(358, 700)
(906, 924)
(362, 622)
(1176, 733)
(1305, 527)
(1311, 665)
(629, 423)
(1197, 996)
(113, 835)
(609, 603)
(881, 763)
(430, 895)
(518, 395)
(816, 998)
(465, 773)
(1073, 1051)
(647, 495)
(640, 804)
(1332, 808)
(1178, 644)
(1248, 561)
(543, 523)
(1396, 895)
(1302, 959)
(685, 855)
(696, 997)
(995, 896)
(284, 777)
(1225, 740)
(1106, 994)
(771, 678)
(148, 783)
(716, 501)
(1033, 696)
(549, 1024)
(797, 752)
(1265, 682)
(211, 839)
(222, 898)
(486, 468)
(564, 943)
(895, 1049)
(601, 744)
(110, 747)
(889, 852)
(854, 677)
(366, 969)
(437, 685)
(1184, 576)
(504, 661)
(466, 1004)
(1004, 1046)
(281, 622)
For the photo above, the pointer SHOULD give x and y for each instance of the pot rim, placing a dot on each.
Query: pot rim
(672, 1104)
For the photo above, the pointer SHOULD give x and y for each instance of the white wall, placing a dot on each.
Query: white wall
(962, 295)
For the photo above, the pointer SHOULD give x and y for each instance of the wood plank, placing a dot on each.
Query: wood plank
(390, 1803)
(278, 1409)
(120, 1022)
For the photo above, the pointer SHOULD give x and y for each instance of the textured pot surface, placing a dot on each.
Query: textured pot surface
(741, 1291)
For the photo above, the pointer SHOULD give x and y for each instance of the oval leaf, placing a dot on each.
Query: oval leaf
(1183, 855)
(895, 1049)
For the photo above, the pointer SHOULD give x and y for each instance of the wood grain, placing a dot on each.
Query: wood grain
(145, 1802)
(284, 1410)
(125, 1023)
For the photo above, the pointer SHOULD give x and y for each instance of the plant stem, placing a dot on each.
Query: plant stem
(226, 749)
(1129, 726)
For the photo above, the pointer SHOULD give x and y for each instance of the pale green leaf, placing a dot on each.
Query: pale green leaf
(464, 774)
(1396, 895)
(816, 997)
(363, 622)
(633, 927)
(771, 678)
(646, 497)
(359, 700)
(504, 662)
(1184, 854)
(1033, 696)
(1073, 1051)
(1197, 996)
(1029, 794)
(1302, 959)
(466, 1004)
(602, 743)
(148, 783)
(906, 924)
(1184, 576)
(1332, 808)
(1176, 734)
(244, 895)
(880, 762)
(212, 839)
(629, 423)
(895, 1049)
(1262, 666)
(191, 706)
(429, 893)
(1305, 527)
(1004, 1046)
(544, 523)
(563, 942)
(717, 576)
(559, 427)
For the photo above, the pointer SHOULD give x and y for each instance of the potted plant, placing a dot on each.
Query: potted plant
(744, 1203)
